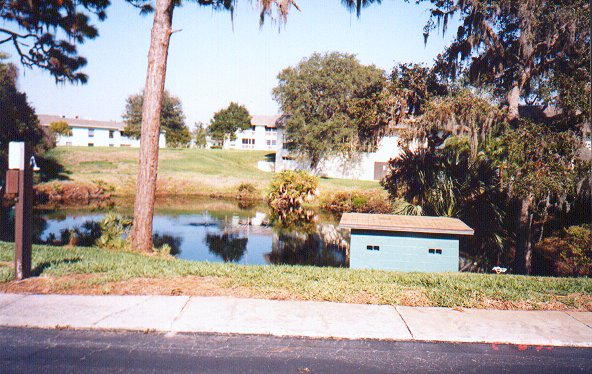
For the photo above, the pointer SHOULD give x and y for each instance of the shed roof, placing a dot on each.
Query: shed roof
(392, 222)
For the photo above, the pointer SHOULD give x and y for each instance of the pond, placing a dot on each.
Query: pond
(212, 230)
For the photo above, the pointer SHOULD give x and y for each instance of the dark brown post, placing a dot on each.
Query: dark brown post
(23, 216)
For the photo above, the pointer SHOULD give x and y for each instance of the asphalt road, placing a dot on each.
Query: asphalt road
(69, 351)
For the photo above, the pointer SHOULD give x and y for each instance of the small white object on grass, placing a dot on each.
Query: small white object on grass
(499, 270)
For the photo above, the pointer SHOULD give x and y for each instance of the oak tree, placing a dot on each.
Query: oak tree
(172, 119)
(226, 122)
(335, 106)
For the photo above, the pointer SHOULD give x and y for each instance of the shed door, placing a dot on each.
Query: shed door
(380, 169)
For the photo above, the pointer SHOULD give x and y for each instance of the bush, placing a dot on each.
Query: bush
(246, 190)
(60, 128)
(246, 196)
(291, 189)
(114, 231)
(358, 202)
(568, 253)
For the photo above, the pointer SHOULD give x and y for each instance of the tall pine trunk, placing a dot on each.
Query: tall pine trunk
(141, 235)
(523, 258)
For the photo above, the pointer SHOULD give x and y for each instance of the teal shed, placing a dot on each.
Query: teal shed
(404, 243)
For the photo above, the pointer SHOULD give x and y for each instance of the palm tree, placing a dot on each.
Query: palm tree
(449, 182)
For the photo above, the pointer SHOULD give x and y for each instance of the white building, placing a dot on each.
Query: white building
(91, 133)
(361, 166)
(262, 135)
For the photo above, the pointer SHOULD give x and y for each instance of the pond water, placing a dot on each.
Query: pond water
(213, 230)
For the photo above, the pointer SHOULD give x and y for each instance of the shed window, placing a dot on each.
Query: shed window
(436, 251)
(91, 133)
(373, 248)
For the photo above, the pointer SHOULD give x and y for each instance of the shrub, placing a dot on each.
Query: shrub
(107, 187)
(569, 252)
(246, 191)
(60, 128)
(114, 231)
(358, 202)
(291, 188)
(246, 195)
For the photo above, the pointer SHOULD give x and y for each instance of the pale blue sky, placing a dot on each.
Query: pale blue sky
(212, 62)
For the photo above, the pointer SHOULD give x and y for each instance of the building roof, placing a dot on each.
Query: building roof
(267, 120)
(47, 119)
(392, 222)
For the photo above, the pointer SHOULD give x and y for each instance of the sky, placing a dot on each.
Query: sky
(213, 61)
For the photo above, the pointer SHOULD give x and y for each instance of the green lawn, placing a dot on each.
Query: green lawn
(181, 171)
(64, 270)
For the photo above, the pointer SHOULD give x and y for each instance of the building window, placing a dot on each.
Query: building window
(435, 251)
(270, 143)
(111, 134)
(373, 248)
(270, 130)
(248, 143)
(91, 133)
(91, 144)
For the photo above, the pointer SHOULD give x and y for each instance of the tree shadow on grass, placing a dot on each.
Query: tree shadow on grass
(39, 269)
(50, 169)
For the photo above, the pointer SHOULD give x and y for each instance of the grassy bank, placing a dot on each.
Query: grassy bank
(96, 271)
(181, 171)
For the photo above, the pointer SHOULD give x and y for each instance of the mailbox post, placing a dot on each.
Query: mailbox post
(19, 182)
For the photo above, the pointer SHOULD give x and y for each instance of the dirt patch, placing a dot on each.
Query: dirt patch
(415, 298)
(93, 284)
(562, 303)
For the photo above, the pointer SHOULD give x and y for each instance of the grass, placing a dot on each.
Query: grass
(181, 171)
(84, 270)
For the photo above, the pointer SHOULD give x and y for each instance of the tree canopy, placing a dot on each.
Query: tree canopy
(18, 120)
(172, 119)
(44, 34)
(226, 122)
(200, 136)
(335, 105)
(519, 47)
(60, 128)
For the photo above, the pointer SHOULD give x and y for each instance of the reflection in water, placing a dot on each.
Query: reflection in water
(230, 247)
(327, 246)
(84, 236)
(174, 242)
(293, 219)
(211, 230)
(298, 239)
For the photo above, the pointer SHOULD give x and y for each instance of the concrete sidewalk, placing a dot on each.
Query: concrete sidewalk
(296, 318)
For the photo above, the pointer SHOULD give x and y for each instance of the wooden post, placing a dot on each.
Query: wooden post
(20, 156)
